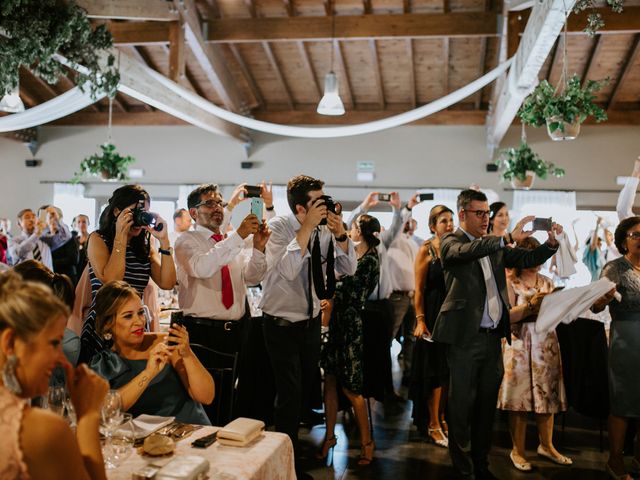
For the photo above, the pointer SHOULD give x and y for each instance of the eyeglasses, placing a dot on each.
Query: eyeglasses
(479, 213)
(211, 204)
(634, 235)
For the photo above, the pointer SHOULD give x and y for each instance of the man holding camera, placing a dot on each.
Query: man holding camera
(307, 247)
(212, 273)
(472, 321)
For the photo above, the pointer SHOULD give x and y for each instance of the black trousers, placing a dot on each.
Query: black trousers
(475, 376)
(223, 336)
(294, 351)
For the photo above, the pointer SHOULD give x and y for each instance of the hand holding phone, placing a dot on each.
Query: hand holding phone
(256, 208)
(384, 197)
(425, 196)
(252, 191)
(542, 224)
(177, 317)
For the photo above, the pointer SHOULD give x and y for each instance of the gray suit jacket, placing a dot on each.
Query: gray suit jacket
(462, 309)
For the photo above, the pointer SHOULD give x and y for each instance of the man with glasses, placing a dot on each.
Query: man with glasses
(472, 321)
(213, 273)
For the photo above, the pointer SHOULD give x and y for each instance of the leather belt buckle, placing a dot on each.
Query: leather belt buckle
(228, 326)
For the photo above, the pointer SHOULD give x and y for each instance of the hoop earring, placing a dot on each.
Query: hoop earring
(107, 336)
(9, 375)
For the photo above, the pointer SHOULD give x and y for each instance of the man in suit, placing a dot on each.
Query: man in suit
(472, 321)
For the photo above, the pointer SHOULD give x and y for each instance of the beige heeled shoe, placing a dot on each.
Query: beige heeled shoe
(522, 466)
(442, 442)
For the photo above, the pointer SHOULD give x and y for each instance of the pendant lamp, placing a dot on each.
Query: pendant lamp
(331, 103)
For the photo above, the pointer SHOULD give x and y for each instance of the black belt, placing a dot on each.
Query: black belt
(404, 293)
(488, 330)
(282, 322)
(227, 325)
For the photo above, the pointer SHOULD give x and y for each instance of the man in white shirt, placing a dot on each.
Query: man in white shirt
(28, 244)
(212, 273)
(292, 290)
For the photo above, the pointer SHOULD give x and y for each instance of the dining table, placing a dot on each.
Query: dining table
(268, 457)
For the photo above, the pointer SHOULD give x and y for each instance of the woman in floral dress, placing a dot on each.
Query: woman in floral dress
(341, 356)
(532, 379)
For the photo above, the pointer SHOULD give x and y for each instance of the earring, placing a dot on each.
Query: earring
(107, 336)
(9, 375)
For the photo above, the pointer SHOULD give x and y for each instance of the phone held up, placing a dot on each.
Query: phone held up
(542, 224)
(256, 208)
(252, 191)
(384, 197)
(425, 196)
(177, 317)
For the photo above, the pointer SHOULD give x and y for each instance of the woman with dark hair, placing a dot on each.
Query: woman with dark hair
(532, 380)
(121, 250)
(342, 355)
(155, 374)
(80, 235)
(429, 373)
(498, 219)
(624, 345)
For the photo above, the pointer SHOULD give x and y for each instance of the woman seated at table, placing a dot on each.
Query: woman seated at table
(34, 442)
(155, 374)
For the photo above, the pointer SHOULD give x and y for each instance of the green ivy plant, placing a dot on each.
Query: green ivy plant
(109, 164)
(573, 104)
(594, 20)
(515, 162)
(33, 31)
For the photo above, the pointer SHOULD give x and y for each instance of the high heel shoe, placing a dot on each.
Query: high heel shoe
(327, 447)
(445, 428)
(442, 442)
(614, 475)
(366, 453)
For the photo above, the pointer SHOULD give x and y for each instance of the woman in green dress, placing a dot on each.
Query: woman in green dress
(341, 356)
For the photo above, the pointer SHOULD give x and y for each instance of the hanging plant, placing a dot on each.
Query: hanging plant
(109, 164)
(573, 105)
(33, 31)
(519, 163)
(594, 20)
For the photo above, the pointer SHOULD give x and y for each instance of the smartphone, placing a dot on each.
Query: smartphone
(176, 319)
(253, 191)
(384, 197)
(204, 442)
(425, 196)
(543, 224)
(256, 208)
(557, 289)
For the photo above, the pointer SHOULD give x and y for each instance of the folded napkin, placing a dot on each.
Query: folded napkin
(144, 425)
(240, 432)
(567, 305)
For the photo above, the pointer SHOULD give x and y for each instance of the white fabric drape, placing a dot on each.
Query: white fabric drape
(69, 189)
(521, 198)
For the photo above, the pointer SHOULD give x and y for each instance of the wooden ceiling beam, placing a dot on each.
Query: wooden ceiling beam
(308, 66)
(289, 7)
(445, 65)
(143, 10)
(278, 73)
(410, 25)
(595, 51)
(337, 48)
(189, 79)
(626, 69)
(366, 6)
(251, 7)
(412, 74)
(328, 7)
(177, 57)
(139, 33)
(210, 57)
(253, 86)
(406, 6)
(484, 52)
(555, 58)
(377, 72)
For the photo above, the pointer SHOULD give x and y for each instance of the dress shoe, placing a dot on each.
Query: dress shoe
(522, 466)
(561, 460)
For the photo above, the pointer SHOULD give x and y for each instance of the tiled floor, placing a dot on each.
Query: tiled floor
(402, 454)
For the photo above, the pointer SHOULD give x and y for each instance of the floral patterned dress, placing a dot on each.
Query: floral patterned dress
(532, 379)
(342, 355)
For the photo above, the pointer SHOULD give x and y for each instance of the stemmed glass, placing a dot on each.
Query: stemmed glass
(56, 397)
(122, 440)
(112, 416)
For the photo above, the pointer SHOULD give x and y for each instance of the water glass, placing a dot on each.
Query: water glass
(56, 397)
(122, 441)
(112, 414)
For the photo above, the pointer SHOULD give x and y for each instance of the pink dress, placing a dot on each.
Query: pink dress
(11, 460)
(532, 380)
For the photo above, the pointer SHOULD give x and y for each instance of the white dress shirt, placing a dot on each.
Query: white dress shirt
(402, 258)
(21, 249)
(286, 284)
(624, 207)
(199, 259)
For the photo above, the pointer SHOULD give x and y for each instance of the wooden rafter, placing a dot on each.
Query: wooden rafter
(406, 6)
(445, 65)
(253, 86)
(328, 7)
(289, 7)
(251, 7)
(309, 67)
(337, 48)
(595, 51)
(412, 74)
(177, 57)
(143, 10)
(139, 33)
(188, 79)
(377, 72)
(278, 73)
(484, 48)
(555, 58)
(624, 73)
(409, 25)
(366, 6)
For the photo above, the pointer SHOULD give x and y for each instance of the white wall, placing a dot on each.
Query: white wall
(406, 157)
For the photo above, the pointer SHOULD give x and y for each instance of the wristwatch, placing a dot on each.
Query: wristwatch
(166, 252)
(341, 238)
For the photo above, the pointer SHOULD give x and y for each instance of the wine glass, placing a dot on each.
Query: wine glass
(122, 441)
(112, 416)
(56, 397)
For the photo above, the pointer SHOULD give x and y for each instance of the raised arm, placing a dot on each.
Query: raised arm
(454, 251)
(627, 196)
(195, 378)
(423, 260)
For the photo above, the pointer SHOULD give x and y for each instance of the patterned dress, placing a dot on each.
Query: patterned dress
(532, 379)
(342, 355)
(12, 463)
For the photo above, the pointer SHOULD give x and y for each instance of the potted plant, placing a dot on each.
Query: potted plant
(109, 165)
(521, 165)
(562, 112)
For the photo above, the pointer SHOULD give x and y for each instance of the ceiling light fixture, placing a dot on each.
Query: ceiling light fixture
(331, 103)
(11, 102)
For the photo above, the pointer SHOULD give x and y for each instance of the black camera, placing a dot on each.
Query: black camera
(331, 206)
(142, 218)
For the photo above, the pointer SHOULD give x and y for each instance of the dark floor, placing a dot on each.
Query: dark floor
(402, 454)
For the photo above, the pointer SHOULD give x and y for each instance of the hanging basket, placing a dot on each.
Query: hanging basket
(105, 176)
(525, 184)
(563, 130)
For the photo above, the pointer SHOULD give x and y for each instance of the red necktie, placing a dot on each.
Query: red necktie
(227, 287)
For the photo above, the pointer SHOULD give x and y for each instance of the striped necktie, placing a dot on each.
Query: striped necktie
(37, 255)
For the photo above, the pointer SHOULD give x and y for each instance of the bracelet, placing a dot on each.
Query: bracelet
(341, 238)
(165, 252)
(421, 315)
(269, 209)
(407, 207)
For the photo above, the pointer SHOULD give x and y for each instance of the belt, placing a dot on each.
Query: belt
(404, 293)
(227, 325)
(488, 330)
(282, 322)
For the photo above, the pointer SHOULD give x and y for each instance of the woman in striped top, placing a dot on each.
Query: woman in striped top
(118, 250)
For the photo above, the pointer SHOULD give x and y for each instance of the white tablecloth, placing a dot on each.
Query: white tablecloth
(268, 457)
